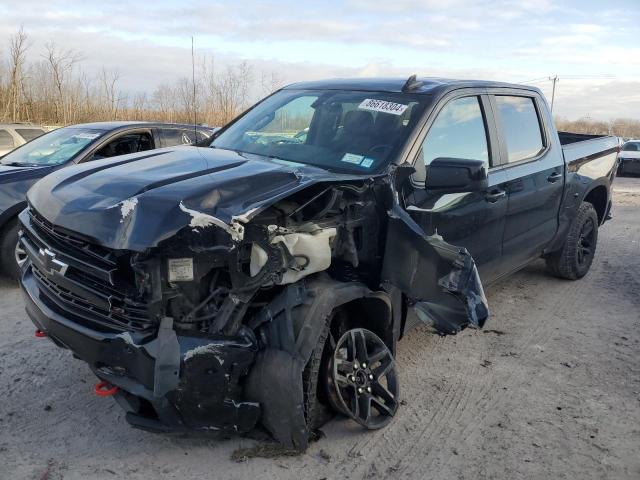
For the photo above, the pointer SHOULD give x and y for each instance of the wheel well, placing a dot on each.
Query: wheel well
(598, 198)
(372, 313)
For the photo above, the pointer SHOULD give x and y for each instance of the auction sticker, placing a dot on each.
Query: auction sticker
(383, 106)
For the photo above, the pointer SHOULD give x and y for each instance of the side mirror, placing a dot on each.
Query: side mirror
(453, 175)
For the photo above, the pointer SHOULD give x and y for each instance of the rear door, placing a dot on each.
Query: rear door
(535, 169)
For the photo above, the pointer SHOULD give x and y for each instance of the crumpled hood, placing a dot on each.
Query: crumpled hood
(134, 202)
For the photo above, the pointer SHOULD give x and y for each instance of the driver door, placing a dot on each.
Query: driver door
(438, 242)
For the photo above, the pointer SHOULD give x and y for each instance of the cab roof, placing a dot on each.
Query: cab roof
(121, 124)
(427, 85)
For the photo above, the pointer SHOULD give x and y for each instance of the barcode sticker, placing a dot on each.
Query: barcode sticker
(383, 106)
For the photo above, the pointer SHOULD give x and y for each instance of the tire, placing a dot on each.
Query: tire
(576, 256)
(8, 254)
(316, 409)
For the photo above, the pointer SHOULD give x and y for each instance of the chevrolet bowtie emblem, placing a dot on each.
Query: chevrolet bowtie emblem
(50, 263)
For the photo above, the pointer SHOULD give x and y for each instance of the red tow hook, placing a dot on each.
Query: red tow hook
(40, 334)
(105, 389)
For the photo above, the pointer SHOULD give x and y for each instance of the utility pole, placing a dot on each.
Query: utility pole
(193, 100)
(553, 91)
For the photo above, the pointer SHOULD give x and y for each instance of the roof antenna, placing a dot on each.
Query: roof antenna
(412, 83)
(193, 81)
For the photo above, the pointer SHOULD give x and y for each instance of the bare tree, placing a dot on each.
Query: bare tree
(112, 96)
(61, 63)
(17, 51)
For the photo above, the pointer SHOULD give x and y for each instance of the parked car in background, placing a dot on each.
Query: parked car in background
(12, 135)
(629, 158)
(75, 144)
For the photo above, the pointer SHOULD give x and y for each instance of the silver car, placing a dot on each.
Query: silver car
(13, 135)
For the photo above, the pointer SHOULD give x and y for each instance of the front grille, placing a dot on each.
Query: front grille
(94, 290)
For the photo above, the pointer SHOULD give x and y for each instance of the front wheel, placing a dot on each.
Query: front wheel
(12, 256)
(355, 376)
(576, 256)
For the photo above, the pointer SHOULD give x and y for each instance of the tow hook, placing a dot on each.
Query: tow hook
(105, 389)
(40, 334)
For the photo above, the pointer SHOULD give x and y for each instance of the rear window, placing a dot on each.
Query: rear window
(29, 133)
(6, 140)
(631, 147)
(521, 126)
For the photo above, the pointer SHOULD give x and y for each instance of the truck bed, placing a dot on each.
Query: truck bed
(576, 146)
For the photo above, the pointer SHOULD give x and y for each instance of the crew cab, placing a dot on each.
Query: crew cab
(269, 277)
(66, 146)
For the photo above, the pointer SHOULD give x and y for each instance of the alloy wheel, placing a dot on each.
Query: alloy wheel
(364, 383)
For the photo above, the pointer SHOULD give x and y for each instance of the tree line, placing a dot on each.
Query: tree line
(53, 89)
(621, 127)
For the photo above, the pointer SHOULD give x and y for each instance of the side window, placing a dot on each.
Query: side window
(124, 144)
(177, 136)
(459, 131)
(29, 133)
(6, 140)
(520, 125)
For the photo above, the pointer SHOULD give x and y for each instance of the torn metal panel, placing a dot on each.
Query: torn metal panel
(201, 220)
(440, 280)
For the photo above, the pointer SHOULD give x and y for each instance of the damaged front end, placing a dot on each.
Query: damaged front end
(179, 326)
(219, 320)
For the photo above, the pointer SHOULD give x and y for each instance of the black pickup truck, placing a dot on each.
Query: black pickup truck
(268, 277)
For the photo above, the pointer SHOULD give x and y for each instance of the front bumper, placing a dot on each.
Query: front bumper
(206, 395)
(629, 165)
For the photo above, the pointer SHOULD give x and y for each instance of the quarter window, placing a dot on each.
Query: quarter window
(458, 132)
(520, 126)
(6, 140)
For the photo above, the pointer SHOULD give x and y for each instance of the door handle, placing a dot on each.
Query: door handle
(554, 177)
(495, 195)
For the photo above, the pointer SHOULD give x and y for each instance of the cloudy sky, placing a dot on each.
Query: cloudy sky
(592, 45)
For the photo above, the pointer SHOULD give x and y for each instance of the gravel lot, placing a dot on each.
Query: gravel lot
(550, 389)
